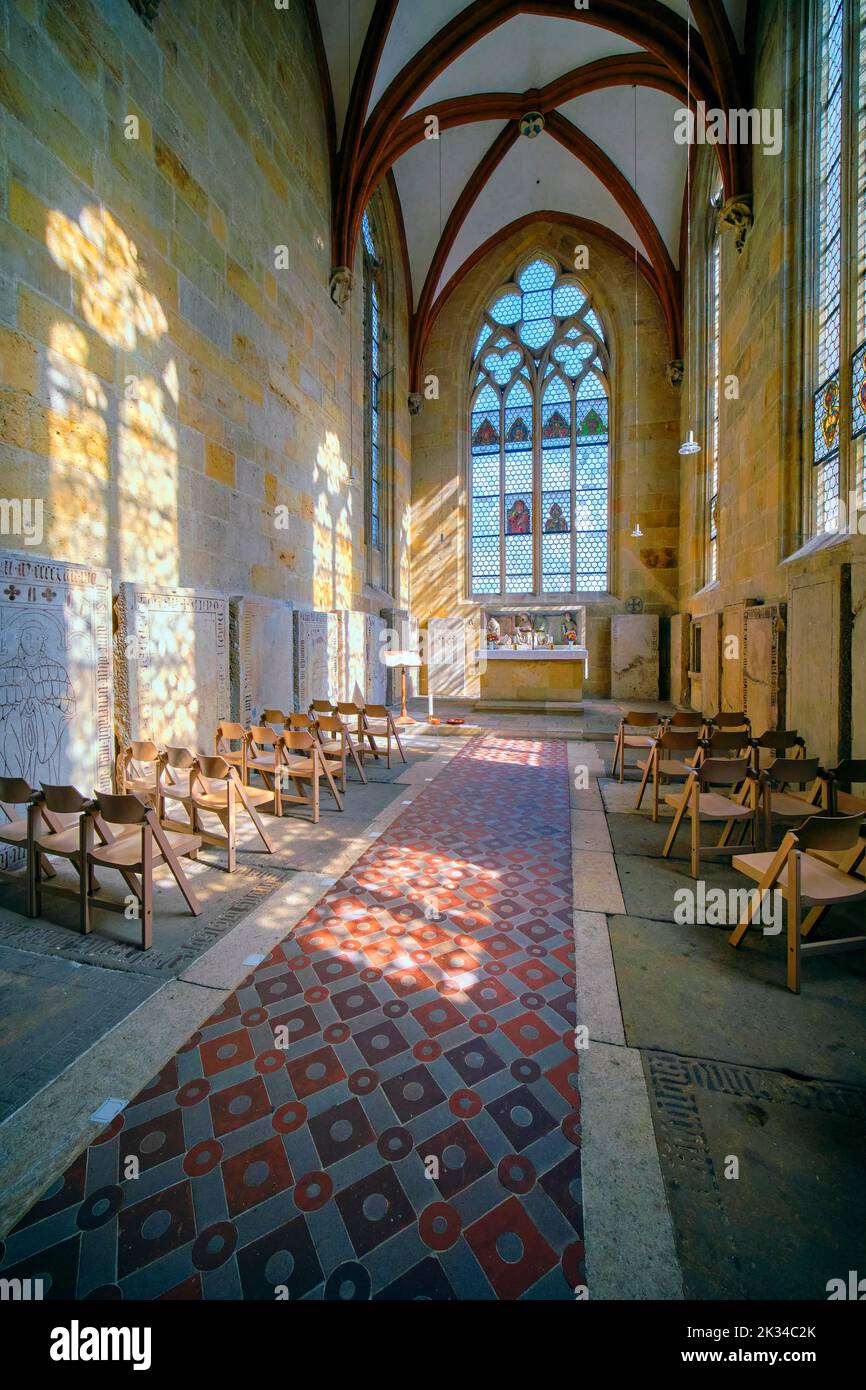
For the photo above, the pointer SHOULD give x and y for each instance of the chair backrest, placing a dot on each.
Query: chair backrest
(717, 772)
(263, 736)
(181, 759)
(14, 791)
(63, 800)
(276, 717)
(299, 721)
(143, 751)
(122, 810)
(377, 711)
(686, 719)
(727, 740)
(779, 739)
(299, 739)
(348, 709)
(798, 771)
(215, 767)
(331, 724)
(640, 720)
(830, 832)
(683, 739)
(321, 707)
(730, 719)
(850, 771)
(230, 732)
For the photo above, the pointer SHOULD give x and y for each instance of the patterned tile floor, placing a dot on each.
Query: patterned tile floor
(387, 1107)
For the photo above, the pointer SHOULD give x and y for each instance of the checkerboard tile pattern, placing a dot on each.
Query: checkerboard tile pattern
(387, 1107)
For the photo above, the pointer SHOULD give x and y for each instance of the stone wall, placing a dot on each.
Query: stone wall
(178, 397)
(765, 554)
(644, 568)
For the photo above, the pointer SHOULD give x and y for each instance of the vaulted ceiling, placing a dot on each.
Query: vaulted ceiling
(607, 78)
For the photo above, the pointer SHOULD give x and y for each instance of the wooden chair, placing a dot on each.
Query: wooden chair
(266, 756)
(218, 789)
(728, 721)
(228, 733)
(304, 761)
(56, 830)
(141, 847)
(337, 744)
(17, 832)
(684, 719)
(846, 774)
(702, 803)
(672, 757)
(648, 725)
(276, 718)
(800, 872)
(777, 802)
(138, 769)
(375, 722)
(323, 707)
(176, 779)
(726, 743)
(777, 743)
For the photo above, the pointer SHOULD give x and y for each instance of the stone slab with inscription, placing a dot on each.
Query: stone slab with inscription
(56, 698)
(318, 655)
(171, 664)
(634, 656)
(261, 657)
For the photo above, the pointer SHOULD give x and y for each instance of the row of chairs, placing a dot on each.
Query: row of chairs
(106, 831)
(818, 863)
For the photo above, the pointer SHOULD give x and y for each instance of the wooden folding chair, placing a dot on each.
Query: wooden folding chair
(780, 804)
(217, 788)
(799, 870)
(266, 756)
(132, 853)
(839, 783)
(228, 734)
(333, 750)
(304, 761)
(702, 803)
(175, 786)
(672, 757)
(646, 728)
(728, 721)
(684, 719)
(56, 830)
(138, 769)
(375, 722)
(275, 718)
(322, 707)
(17, 832)
(337, 744)
(776, 743)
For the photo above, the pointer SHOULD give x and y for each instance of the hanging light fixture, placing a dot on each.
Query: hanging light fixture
(690, 444)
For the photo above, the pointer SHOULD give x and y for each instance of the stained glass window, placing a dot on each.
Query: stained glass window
(539, 439)
(829, 268)
(714, 267)
(858, 360)
(372, 347)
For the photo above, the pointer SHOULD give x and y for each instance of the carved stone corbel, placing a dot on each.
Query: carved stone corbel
(146, 10)
(340, 286)
(416, 400)
(675, 371)
(736, 216)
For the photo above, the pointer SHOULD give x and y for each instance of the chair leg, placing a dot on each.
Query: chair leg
(393, 729)
(356, 759)
(231, 829)
(696, 831)
(794, 938)
(315, 795)
(643, 781)
(332, 784)
(677, 822)
(147, 900)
